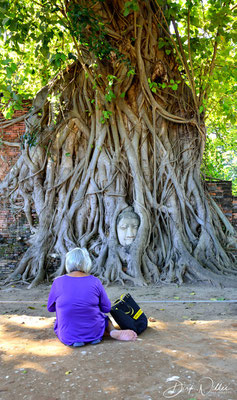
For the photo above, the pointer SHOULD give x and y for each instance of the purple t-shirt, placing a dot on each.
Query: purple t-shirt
(80, 304)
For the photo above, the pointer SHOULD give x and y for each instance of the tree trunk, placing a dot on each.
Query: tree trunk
(140, 148)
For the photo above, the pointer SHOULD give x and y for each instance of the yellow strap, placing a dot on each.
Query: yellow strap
(138, 314)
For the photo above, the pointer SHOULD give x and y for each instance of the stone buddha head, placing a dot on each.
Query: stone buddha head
(127, 226)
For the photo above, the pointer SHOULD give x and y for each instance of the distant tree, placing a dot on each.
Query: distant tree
(120, 127)
(220, 156)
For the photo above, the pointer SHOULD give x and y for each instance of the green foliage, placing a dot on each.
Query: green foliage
(129, 7)
(155, 86)
(34, 46)
(131, 72)
(89, 29)
(152, 85)
(208, 35)
(105, 116)
(30, 138)
(109, 94)
(220, 157)
(173, 84)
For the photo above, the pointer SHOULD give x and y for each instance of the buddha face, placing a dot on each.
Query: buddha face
(127, 230)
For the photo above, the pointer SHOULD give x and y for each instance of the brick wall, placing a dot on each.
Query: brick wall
(14, 237)
(14, 230)
(221, 192)
(12, 134)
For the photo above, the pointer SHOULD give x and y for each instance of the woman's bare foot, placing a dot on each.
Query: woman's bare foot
(127, 334)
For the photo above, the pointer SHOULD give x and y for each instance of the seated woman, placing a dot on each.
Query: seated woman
(80, 302)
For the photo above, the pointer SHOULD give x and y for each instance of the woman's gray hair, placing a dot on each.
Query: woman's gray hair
(78, 259)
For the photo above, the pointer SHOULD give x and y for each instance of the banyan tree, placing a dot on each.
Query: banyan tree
(121, 130)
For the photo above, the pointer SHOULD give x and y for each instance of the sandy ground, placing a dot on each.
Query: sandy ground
(188, 352)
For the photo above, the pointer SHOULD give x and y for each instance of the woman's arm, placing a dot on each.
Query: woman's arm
(51, 306)
(105, 303)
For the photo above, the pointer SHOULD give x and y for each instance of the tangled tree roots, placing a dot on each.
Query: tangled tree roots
(84, 171)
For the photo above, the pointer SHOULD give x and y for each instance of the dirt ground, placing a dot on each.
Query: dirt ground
(188, 352)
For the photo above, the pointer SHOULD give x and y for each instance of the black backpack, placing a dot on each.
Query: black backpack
(128, 315)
